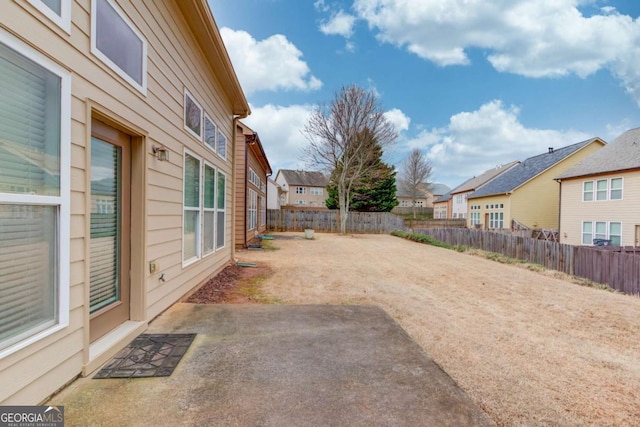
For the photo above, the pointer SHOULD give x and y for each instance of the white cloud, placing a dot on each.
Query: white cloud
(473, 142)
(340, 23)
(270, 64)
(280, 133)
(398, 119)
(533, 38)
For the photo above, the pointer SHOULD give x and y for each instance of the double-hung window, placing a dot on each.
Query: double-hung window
(203, 209)
(221, 210)
(604, 189)
(191, 209)
(35, 123)
(253, 209)
(605, 230)
(116, 41)
(209, 210)
(615, 189)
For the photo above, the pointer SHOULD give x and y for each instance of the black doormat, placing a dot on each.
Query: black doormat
(149, 355)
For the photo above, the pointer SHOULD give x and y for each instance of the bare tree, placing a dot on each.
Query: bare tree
(341, 139)
(414, 172)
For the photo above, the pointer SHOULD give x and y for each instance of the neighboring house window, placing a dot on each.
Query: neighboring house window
(587, 191)
(35, 122)
(601, 189)
(59, 11)
(301, 190)
(253, 209)
(118, 44)
(615, 192)
(222, 144)
(317, 191)
(192, 116)
(474, 218)
(496, 220)
(601, 230)
(301, 202)
(221, 210)
(209, 210)
(191, 207)
(605, 189)
(209, 132)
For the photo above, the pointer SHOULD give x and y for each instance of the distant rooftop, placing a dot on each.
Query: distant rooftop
(477, 181)
(304, 178)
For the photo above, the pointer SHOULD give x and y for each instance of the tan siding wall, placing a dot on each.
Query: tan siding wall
(38, 370)
(574, 211)
(536, 204)
(240, 188)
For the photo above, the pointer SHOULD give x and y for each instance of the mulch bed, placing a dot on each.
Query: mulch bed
(225, 286)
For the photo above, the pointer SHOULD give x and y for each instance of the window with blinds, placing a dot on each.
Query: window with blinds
(204, 204)
(30, 191)
(191, 209)
(106, 160)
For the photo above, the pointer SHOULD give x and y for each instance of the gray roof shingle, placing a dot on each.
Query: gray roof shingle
(622, 153)
(531, 167)
(438, 189)
(443, 198)
(304, 178)
(478, 181)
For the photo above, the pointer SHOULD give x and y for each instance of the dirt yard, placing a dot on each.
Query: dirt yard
(528, 347)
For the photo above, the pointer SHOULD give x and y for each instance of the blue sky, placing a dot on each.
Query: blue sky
(472, 83)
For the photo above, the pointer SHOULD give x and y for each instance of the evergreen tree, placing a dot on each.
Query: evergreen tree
(375, 191)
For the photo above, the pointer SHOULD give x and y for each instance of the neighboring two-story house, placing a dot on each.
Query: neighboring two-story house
(252, 172)
(527, 192)
(600, 196)
(460, 193)
(117, 134)
(302, 188)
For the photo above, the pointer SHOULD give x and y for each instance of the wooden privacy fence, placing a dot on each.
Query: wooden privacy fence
(618, 268)
(329, 221)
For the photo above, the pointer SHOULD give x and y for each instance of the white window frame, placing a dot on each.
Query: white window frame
(62, 201)
(63, 20)
(191, 132)
(317, 191)
(142, 88)
(205, 209)
(223, 209)
(186, 262)
(594, 231)
(598, 190)
(301, 190)
(205, 118)
(221, 137)
(611, 189)
(252, 210)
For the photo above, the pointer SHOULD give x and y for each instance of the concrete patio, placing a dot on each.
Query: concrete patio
(281, 365)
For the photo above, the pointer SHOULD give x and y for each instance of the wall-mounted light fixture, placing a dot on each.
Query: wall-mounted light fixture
(160, 152)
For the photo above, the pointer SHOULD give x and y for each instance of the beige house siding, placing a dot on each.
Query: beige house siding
(175, 63)
(626, 211)
(250, 156)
